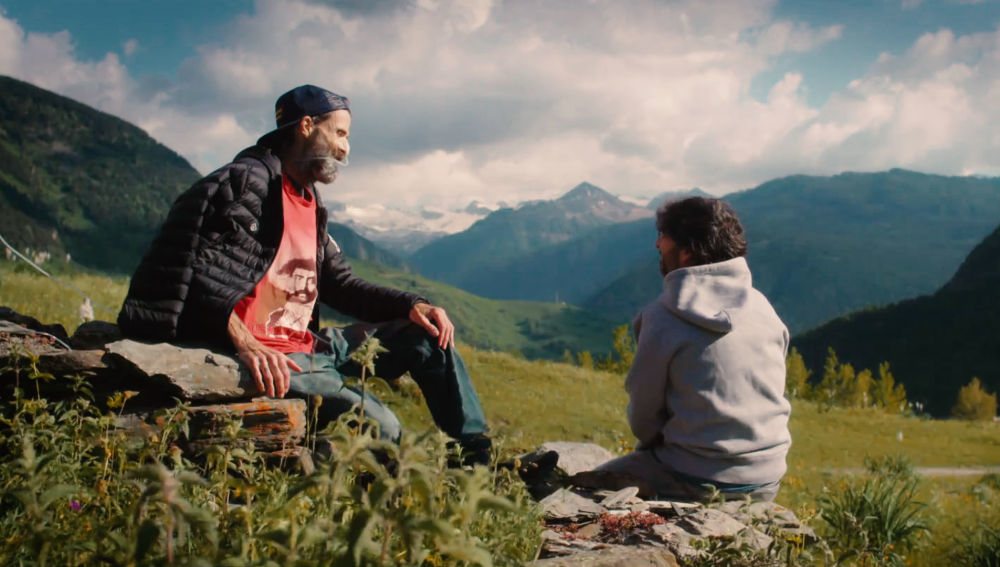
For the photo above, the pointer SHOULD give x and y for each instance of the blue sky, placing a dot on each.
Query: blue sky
(512, 100)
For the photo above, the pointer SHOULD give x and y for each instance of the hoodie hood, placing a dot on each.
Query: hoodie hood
(710, 295)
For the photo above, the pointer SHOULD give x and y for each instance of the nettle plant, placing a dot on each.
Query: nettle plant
(75, 489)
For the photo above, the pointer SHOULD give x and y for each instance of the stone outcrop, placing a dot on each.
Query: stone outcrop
(617, 527)
(156, 376)
(193, 374)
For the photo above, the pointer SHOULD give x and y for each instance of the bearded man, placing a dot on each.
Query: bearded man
(244, 254)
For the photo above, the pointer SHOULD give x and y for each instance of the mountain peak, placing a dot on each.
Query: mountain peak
(586, 192)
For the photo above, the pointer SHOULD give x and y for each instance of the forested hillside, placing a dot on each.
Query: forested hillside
(79, 181)
(935, 343)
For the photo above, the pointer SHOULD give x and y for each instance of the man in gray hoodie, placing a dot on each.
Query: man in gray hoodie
(706, 388)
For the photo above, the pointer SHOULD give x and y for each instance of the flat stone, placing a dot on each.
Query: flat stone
(578, 457)
(192, 374)
(615, 556)
(272, 424)
(589, 531)
(276, 427)
(566, 505)
(72, 362)
(708, 522)
(622, 498)
(676, 539)
(669, 509)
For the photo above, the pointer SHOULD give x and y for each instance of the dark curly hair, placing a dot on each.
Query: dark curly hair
(709, 228)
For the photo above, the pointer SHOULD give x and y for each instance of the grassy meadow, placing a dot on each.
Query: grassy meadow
(529, 402)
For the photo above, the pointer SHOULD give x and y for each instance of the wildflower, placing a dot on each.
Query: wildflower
(75, 505)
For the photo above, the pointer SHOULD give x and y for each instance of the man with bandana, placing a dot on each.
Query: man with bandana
(243, 257)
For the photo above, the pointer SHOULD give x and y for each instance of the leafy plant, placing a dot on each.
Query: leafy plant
(76, 490)
(873, 521)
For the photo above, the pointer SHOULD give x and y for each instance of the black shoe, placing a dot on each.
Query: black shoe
(534, 466)
(470, 450)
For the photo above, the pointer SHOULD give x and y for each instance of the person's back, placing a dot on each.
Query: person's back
(706, 387)
(724, 350)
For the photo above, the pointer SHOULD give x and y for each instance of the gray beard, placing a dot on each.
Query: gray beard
(324, 169)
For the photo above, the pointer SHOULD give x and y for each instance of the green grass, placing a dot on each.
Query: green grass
(29, 293)
(531, 328)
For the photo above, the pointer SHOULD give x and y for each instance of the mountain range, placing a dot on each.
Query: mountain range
(402, 230)
(819, 247)
(933, 343)
(79, 181)
(507, 234)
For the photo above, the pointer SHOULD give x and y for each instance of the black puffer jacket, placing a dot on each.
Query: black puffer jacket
(218, 241)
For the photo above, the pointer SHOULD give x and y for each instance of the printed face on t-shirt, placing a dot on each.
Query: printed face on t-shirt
(301, 286)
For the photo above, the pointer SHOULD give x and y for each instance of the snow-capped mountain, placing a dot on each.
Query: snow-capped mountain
(402, 230)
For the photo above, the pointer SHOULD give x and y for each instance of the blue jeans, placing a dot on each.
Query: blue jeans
(440, 373)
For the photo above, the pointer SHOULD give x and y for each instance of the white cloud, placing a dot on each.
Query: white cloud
(459, 100)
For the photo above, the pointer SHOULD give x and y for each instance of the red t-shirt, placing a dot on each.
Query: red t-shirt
(279, 309)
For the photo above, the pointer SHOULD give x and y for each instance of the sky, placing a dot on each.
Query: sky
(510, 100)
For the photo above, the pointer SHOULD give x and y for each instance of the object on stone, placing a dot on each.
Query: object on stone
(94, 335)
(578, 457)
(192, 374)
(86, 310)
(566, 505)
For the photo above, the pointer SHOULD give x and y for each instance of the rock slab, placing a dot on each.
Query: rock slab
(578, 457)
(191, 374)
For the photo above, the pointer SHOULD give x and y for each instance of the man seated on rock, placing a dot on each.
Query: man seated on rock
(706, 388)
(243, 257)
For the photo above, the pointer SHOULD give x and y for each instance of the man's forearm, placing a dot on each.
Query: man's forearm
(238, 332)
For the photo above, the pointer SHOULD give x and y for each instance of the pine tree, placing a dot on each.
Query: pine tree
(796, 376)
(974, 403)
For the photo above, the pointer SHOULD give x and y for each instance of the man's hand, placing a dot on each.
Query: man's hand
(435, 321)
(271, 370)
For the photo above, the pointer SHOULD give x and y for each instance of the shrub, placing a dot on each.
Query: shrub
(891, 466)
(974, 403)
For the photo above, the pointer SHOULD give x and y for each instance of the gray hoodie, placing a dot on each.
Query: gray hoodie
(706, 388)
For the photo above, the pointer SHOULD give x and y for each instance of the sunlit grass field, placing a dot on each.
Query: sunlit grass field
(530, 402)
